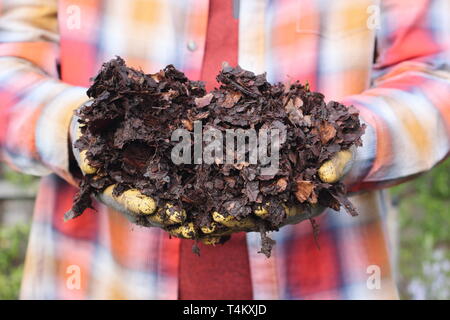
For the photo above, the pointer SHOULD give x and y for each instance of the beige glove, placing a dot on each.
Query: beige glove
(136, 206)
(331, 171)
(337, 167)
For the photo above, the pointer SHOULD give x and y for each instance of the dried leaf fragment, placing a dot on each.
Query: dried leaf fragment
(202, 102)
(304, 190)
(326, 132)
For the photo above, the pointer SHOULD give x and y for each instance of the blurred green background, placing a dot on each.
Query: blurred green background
(423, 270)
(422, 208)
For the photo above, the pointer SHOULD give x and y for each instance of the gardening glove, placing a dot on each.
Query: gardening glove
(215, 232)
(137, 207)
(337, 167)
(331, 171)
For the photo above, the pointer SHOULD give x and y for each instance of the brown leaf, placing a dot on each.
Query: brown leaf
(158, 76)
(326, 132)
(304, 190)
(203, 101)
(231, 99)
(188, 124)
(201, 115)
(282, 184)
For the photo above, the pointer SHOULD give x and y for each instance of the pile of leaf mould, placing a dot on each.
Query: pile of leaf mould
(127, 132)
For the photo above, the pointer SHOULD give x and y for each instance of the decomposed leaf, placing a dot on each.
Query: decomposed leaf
(326, 131)
(304, 190)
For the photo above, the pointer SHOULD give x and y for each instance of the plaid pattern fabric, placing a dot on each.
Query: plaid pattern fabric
(390, 58)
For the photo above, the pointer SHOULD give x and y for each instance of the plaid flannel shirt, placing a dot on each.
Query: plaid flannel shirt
(389, 58)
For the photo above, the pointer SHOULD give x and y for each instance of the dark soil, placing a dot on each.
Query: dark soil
(127, 132)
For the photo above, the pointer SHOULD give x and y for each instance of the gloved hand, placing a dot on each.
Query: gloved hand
(331, 171)
(142, 210)
(137, 207)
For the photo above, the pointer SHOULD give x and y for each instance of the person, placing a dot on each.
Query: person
(389, 59)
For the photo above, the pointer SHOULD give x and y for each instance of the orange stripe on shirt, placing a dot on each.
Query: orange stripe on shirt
(42, 54)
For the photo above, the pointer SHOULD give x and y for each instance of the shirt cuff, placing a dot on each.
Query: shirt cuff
(364, 156)
(52, 131)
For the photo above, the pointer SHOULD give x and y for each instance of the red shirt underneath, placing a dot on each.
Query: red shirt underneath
(220, 272)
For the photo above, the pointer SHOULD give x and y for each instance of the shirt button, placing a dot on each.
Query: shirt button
(191, 45)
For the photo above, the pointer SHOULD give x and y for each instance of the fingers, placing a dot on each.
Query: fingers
(134, 205)
(130, 201)
(168, 215)
(215, 230)
(262, 211)
(174, 214)
(233, 223)
(295, 214)
(224, 225)
(211, 234)
(211, 228)
(80, 156)
(185, 231)
(85, 167)
(334, 169)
